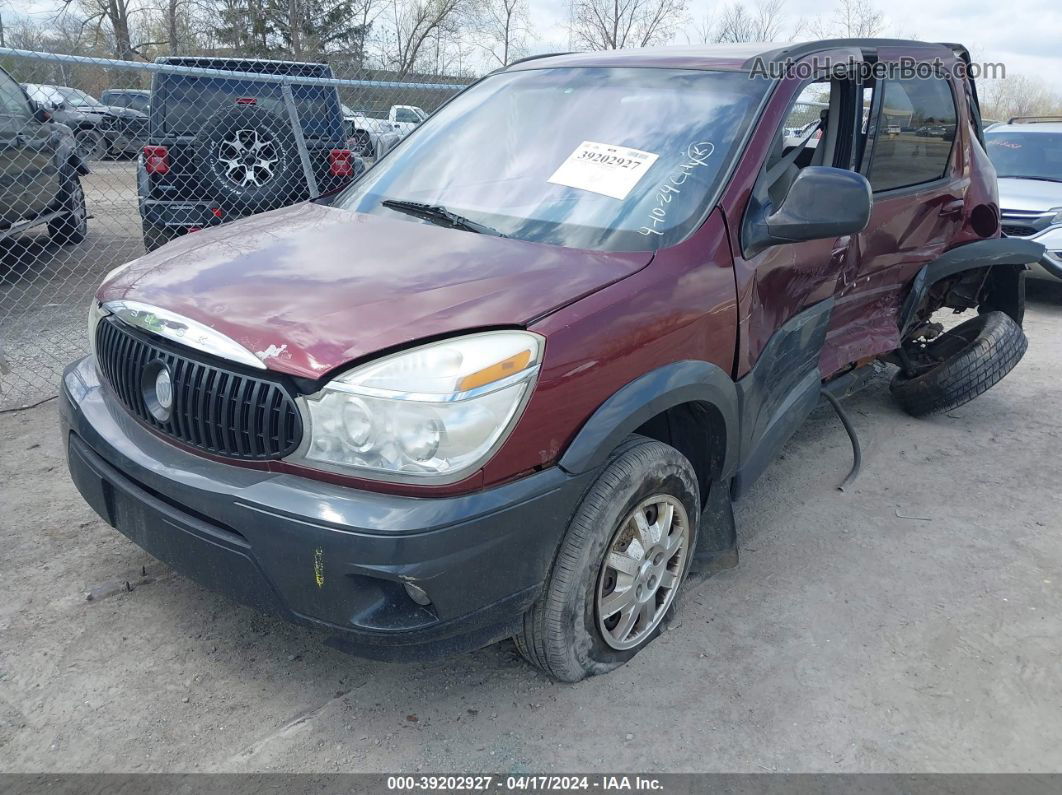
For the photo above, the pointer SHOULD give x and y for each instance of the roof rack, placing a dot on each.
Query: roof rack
(1032, 119)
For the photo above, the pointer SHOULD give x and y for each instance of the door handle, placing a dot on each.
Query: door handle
(953, 207)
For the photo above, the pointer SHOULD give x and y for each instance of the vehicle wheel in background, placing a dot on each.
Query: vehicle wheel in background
(620, 565)
(960, 364)
(361, 144)
(90, 144)
(157, 236)
(249, 160)
(71, 227)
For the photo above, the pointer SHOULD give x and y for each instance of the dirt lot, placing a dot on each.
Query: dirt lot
(912, 624)
(45, 288)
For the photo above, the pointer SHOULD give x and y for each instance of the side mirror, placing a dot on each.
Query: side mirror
(822, 203)
(41, 113)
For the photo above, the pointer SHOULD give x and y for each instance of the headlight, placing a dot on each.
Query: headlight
(431, 414)
(1058, 215)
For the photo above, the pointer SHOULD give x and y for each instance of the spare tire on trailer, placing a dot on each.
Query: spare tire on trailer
(249, 161)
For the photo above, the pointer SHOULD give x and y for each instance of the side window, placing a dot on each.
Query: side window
(813, 99)
(12, 101)
(914, 135)
(139, 102)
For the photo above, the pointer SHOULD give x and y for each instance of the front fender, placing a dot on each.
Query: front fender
(66, 156)
(644, 398)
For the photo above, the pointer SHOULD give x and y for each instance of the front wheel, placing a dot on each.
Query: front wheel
(620, 566)
(90, 144)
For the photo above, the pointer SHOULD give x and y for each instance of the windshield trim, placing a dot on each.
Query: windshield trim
(726, 170)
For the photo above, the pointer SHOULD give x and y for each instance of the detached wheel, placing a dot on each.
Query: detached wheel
(620, 566)
(960, 364)
(72, 226)
(249, 160)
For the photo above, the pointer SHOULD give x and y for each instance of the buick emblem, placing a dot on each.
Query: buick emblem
(157, 388)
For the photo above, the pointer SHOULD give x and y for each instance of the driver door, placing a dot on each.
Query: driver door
(786, 292)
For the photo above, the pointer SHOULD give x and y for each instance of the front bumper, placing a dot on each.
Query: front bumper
(1050, 266)
(317, 553)
(181, 214)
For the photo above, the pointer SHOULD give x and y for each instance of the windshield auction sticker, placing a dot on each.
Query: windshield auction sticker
(603, 168)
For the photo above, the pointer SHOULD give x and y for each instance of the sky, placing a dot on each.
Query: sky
(1029, 42)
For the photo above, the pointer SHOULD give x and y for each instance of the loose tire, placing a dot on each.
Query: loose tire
(626, 552)
(72, 226)
(249, 162)
(969, 360)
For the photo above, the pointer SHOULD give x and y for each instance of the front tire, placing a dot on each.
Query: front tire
(90, 144)
(616, 577)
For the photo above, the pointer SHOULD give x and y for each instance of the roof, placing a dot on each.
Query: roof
(253, 65)
(1054, 127)
(736, 57)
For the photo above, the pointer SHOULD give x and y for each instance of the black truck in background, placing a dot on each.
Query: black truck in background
(221, 148)
(40, 170)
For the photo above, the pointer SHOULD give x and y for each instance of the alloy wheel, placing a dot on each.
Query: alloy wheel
(248, 158)
(642, 570)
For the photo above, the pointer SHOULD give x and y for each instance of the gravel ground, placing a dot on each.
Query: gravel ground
(45, 288)
(911, 624)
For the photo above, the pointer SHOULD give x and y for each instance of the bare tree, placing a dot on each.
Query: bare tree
(613, 24)
(1017, 95)
(739, 23)
(501, 29)
(850, 19)
(115, 16)
(413, 24)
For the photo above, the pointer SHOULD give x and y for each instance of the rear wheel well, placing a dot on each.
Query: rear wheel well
(698, 431)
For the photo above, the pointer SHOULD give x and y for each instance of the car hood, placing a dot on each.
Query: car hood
(309, 288)
(1032, 195)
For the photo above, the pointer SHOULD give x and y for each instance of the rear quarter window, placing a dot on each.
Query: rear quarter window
(185, 104)
(915, 133)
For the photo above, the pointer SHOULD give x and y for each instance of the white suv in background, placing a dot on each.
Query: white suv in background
(1027, 154)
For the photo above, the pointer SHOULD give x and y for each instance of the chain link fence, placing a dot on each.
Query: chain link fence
(103, 160)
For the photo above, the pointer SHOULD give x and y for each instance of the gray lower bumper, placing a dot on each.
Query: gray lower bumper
(320, 553)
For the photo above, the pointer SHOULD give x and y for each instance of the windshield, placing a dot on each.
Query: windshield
(621, 159)
(1028, 155)
(79, 99)
(189, 103)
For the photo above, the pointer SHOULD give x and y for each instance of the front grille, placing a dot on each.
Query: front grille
(215, 409)
(1018, 230)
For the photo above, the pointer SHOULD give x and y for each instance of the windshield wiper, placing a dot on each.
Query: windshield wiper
(439, 215)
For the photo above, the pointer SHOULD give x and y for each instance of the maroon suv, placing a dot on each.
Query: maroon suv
(510, 381)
